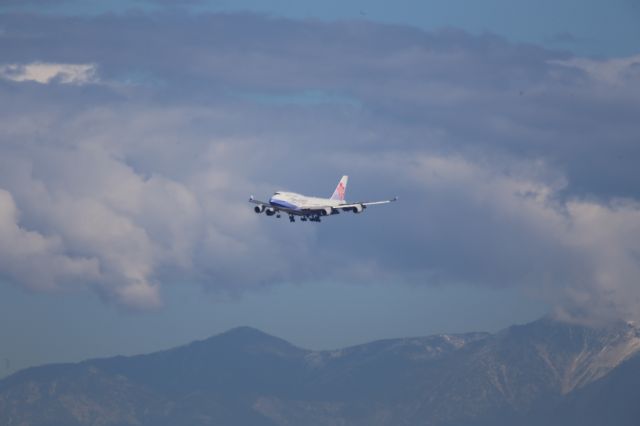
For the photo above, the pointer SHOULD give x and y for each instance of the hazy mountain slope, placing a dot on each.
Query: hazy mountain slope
(611, 400)
(541, 370)
(525, 369)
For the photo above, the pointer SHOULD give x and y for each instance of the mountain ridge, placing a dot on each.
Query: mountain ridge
(248, 377)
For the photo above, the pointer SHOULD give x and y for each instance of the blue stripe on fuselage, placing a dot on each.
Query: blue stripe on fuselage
(284, 204)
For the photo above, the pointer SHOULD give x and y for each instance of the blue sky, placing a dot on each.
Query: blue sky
(129, 142)
(589, 27)
(597, 27)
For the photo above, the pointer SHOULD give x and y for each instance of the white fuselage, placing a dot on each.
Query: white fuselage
(291, 200)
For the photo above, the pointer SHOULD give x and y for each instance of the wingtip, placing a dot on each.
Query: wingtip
(395, 198)
(250, 197)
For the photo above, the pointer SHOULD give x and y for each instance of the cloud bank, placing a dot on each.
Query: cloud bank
(516, 165)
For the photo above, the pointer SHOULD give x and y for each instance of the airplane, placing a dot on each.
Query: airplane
(311, 208)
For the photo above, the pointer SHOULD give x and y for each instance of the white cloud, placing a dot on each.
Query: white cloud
(614, 71)
(45, 73)
(509, 166)
(35, 260)
(596, 244)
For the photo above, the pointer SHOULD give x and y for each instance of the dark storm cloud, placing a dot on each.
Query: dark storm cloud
(516, 166)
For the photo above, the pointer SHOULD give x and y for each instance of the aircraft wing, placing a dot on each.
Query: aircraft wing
(352, 206)
(254, 201)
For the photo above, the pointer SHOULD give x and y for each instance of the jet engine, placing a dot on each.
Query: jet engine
(358, 208)
(270, 212)
(259, 208)
(326, 211)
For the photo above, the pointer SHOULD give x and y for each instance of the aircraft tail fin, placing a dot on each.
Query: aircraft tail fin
(338, 194)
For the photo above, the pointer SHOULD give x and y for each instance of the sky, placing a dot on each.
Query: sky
(133, 132)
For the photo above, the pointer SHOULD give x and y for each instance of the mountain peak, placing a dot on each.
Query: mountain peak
(603, 325)
(246, 331)
(546, 324)
(251, 340)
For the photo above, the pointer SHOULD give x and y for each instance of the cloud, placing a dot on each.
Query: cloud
(45, 73)
(578, 252)
(516, 166)
(617, 71)
(33, 259)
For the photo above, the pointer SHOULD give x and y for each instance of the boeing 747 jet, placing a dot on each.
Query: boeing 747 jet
(311, 208)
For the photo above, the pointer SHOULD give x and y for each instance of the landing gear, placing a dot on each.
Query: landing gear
(307, 218)
(278, 215)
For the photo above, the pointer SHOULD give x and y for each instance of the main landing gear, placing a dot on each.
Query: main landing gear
(314, 218)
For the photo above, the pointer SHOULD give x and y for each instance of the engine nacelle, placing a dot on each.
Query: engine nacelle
(326, 211)
(259, 208)
(358, 208)
(269, 211)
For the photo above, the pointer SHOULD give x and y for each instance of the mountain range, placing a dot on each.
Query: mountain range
(546, 372)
